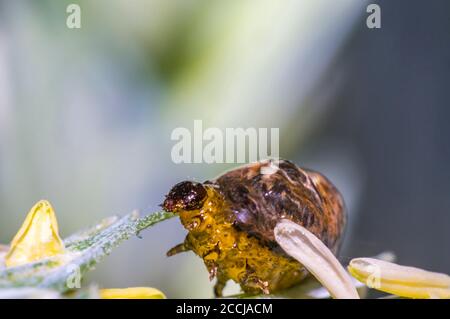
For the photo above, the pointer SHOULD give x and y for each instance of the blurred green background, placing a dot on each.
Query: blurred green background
(86, 116)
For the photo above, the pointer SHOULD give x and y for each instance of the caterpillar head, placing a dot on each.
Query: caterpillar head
(185, 196)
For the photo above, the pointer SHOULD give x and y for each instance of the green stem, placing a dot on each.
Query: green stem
(151, 220)
(83, 251)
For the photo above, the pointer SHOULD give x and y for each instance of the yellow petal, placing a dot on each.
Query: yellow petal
(311, 252)
(132, 293)
(400, 280)
(38, 237)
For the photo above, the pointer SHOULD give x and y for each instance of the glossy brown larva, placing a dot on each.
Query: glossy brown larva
(231, 221)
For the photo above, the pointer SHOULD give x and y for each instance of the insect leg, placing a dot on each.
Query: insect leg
(255, 285)
(220, 284)
(180, 248)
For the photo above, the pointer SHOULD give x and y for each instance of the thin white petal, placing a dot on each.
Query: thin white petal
(305, 247)
(400, 280)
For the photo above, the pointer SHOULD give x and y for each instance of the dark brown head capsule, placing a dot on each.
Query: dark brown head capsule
(185, 196)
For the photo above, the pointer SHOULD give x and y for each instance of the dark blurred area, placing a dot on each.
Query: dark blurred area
(394, 110)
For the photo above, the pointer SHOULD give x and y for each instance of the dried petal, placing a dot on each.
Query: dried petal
(38, 237)
(132, 293)
(400, 280)
(302, 245)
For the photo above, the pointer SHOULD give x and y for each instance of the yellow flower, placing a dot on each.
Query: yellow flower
(400, 280)
(132, 293)
(38, 237)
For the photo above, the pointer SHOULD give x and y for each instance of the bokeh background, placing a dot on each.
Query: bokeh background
(86, 116)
